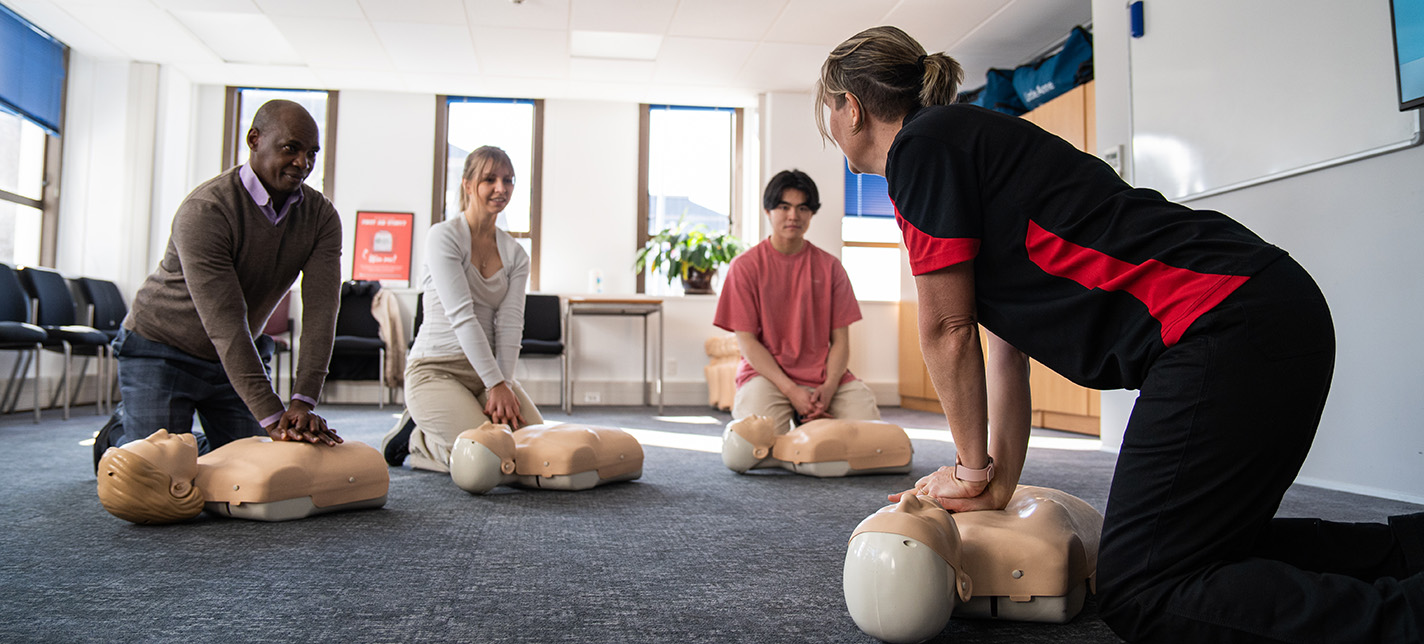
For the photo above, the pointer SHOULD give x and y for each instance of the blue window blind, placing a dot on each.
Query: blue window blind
(31, 71)
(692, 108)
(867, 195)
(484, 99)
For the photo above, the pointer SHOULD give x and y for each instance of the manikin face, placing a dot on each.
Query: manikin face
(489, 189)
(176, 454)
(791, 217)
(284, 154)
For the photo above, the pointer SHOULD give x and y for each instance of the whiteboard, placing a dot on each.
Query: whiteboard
(1230, 93)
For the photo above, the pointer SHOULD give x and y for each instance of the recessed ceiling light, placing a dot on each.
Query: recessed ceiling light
(614, 44)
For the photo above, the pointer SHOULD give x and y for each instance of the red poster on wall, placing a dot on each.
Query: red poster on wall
(383, 246)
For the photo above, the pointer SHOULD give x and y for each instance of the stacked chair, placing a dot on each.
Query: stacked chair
(55, 312)
(17, 334)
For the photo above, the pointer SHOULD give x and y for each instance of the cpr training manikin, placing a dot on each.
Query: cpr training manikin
(558, 457)
(912, 565)
(161, 479)
(826, 447)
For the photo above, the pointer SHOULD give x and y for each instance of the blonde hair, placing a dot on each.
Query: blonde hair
(133, 489)
(889, 73)
(483, 157)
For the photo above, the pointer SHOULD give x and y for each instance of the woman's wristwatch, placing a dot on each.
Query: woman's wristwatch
(968, 475)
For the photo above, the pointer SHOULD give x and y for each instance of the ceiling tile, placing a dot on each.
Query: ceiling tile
(344, 43)
(251, 75)
(702, 61)
(388, 81)
(936, 29)
(434, 12)
(422, 47)
(784, 67)
(540, 53)
(530, 14)
(730, 19)
(640, 16)
(240, 37)
(619, 45)
(827, 22)
(148, 34)
(313, 8)
(213, 6)
(604, 69)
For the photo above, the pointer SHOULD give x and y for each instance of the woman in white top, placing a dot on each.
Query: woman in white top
(461, 368)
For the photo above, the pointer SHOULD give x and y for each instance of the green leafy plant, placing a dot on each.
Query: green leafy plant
(689, 253)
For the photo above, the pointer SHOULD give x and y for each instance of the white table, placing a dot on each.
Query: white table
(643, 307)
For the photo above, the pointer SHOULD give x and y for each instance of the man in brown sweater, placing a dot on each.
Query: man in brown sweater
(239, 241)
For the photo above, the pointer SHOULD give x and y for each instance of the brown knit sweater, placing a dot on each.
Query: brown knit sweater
(227, 267)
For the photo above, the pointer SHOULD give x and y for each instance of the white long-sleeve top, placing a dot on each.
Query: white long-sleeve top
(467, 314)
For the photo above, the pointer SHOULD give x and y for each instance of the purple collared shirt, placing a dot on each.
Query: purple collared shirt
(263, 199)
(259, 194)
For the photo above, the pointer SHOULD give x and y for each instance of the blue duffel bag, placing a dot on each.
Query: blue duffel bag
(1071, 66)
(999, 94)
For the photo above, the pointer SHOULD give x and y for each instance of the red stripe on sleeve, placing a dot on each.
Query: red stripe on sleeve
(929, 253)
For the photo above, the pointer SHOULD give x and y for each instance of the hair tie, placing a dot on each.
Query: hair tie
(920, 62)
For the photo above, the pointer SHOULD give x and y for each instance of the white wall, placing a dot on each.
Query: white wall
(125, 176)
(1352, 227)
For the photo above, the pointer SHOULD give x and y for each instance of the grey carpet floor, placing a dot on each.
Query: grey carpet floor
(690, 552)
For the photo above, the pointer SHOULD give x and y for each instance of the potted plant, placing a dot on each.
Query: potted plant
(691, 253)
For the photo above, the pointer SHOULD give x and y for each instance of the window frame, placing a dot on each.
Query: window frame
(234, 134)
(734, 218)
(536, 182)
(846, 177)
(48, 203)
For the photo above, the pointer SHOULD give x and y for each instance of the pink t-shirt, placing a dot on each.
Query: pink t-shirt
(791, 303)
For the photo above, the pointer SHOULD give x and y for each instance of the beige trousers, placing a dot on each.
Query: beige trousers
(853, 401)
(445, 397)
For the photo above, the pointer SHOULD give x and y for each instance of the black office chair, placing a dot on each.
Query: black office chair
(54, 311)
(16, 334)
(544, 336)
(358, 338)
(106, 314)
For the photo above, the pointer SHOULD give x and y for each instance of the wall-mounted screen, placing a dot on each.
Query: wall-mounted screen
(1408, 18)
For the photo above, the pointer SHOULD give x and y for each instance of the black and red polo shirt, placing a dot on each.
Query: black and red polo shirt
(1090, 276)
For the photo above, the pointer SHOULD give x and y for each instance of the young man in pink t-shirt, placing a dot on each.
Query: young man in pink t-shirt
(791, 306)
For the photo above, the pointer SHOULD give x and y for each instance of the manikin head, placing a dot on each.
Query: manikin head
(151, 480)
(482, 458)
(902, 572)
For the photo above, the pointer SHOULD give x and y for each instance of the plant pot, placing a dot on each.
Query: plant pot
(698, 282)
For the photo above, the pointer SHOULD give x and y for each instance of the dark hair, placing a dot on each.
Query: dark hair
(889, 73)
(790, 179)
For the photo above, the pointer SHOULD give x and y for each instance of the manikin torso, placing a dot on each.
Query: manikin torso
(826, 447)
(910, 565)
(258, 478)
(560, 457)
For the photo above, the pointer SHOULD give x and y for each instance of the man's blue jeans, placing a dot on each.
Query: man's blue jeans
(162, 387)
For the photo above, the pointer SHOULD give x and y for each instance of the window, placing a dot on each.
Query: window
(32, 73)
(242, 105)
(513, 125)
(689, 162)
(870, 238)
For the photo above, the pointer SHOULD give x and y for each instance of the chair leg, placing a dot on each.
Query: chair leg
(381, 374)
(563, 380)
(74, 393)
(39, 349)
(12, 396)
